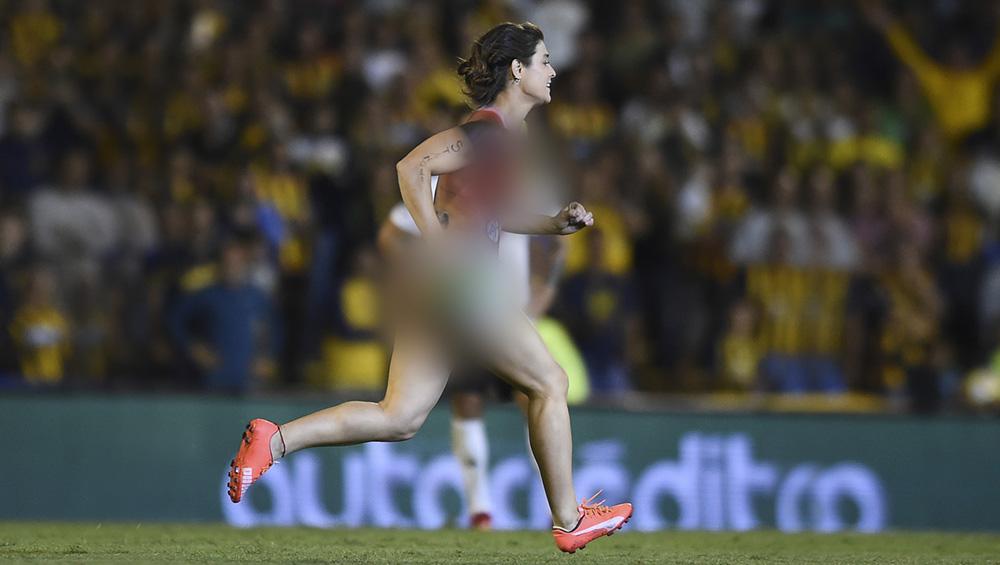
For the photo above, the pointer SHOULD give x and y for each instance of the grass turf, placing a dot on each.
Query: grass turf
(193, 543)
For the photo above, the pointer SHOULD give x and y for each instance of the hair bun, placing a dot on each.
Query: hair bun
(485, 71)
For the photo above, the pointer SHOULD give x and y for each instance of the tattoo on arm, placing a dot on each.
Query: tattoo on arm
(453, 148)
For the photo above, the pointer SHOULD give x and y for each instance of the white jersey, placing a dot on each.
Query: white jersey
(514, 248)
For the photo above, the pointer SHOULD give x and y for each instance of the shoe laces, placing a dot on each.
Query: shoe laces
(591, 508)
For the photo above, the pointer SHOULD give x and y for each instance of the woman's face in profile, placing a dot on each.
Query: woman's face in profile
(536, 78)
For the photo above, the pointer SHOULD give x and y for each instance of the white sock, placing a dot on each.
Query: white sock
(472, 449)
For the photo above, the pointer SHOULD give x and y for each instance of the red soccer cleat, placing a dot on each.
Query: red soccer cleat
(595, 521)
(482, 522)
(253, 457)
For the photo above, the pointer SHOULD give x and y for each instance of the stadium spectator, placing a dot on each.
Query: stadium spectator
(236, 346)
(958, 89)
(960, 248)
(15, 258)
(779, 288)
(912, 328)
(355, 355)
(41, 331)
(739, 354)
(74, 227)
(35, 32)
(22, 152)
(750, 243)
(599, 309)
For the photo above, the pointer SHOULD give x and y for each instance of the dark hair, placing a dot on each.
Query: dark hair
(486, 70)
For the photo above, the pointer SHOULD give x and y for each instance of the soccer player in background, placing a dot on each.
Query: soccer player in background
(456, 302)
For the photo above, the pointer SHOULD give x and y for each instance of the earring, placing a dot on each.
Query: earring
(517, 80)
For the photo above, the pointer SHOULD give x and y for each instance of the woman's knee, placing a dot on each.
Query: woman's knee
(553, 384)
(403, 431)
(402, 425)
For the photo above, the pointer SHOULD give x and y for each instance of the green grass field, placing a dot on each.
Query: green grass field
(162, 543)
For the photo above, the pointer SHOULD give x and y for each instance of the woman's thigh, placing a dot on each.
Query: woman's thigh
(516, 352)
(418, 372)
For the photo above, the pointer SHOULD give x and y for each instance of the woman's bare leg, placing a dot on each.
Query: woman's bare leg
(518, 354)
(417, 375)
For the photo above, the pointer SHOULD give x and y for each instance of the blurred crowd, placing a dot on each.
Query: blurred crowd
(798, 197)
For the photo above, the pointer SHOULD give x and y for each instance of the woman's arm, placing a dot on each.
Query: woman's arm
(444, 152)
(571, 219)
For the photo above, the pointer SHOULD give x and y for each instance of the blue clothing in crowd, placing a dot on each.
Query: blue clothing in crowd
(237, 322)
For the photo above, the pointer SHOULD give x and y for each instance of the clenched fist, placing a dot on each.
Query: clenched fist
(573, 218)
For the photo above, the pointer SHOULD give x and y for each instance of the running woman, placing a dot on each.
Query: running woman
(464, 307)
(534, 263)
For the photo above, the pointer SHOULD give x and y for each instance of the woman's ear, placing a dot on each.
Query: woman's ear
(516, 68)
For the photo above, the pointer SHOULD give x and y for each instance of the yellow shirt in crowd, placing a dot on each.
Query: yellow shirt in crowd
(356, 363)
(33, 35)
(41, 336)
(960, 97)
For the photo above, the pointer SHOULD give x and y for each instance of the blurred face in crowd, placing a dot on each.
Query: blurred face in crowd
(536, 77)
(76, 170)
(866, 197)
(42, 287)
(584, 85)
(279, 157)
(174, 223)
(27, 122)
(325, 121)
(234, 264)
(821, 184)
(310, 40)
(786, 189)
(594, 184)
(958, 56)
(181, 164)
(12, 235)
(203, 218)
(741, 319)
(244, 212)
